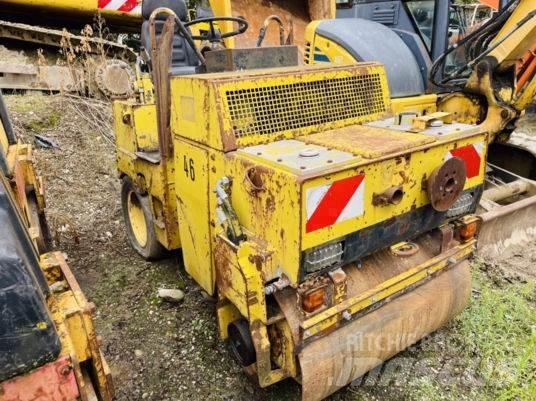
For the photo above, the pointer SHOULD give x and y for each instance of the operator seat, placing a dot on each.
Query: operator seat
(183, 59)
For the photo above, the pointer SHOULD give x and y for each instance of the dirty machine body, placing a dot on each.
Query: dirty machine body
(48, 345)
(333, 234)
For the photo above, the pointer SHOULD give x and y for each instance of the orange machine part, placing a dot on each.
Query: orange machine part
(525, 68)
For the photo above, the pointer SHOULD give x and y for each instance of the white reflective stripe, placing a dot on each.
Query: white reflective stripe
(356, 206)
(137, 10)
(115, 4)
(479, 146)
(314, 196)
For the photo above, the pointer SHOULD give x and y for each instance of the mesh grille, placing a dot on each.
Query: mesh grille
(273, 109)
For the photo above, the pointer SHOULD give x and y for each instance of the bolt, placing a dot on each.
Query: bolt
(346, 315)
(451, 260)
(66, 370)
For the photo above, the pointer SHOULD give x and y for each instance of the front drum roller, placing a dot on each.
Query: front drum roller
(139, 221)
(342, 356)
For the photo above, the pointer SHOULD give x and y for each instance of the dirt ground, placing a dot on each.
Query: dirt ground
(164, 352)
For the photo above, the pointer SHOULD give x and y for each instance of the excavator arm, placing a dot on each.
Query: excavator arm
(499, 68)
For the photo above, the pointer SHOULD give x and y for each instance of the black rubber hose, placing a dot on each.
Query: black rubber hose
(473, 47)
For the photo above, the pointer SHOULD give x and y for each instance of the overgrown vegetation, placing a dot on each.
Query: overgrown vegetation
(499, 329)
(496, 339)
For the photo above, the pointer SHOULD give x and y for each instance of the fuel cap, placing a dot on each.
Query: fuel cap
(309, 152)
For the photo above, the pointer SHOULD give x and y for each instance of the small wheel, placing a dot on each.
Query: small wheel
(241, 342)
(139, 222)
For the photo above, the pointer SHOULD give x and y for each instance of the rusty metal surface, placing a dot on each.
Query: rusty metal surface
(294, 10)
(398, 123)
(27, 76)
(513, 224)
(362, 277)
(54, 265)
(55, 381)
(501, 192)
(58, 38)
(161, 49)
(251, 58)
(115, 78)
(335, 360)
(282, 40)
(366, 141)
(446, 183)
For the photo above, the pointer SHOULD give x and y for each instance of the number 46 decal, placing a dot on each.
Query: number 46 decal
(189, 168)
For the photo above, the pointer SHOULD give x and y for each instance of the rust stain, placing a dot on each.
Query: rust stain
(368, 142)
(222, 263)
(257, 260)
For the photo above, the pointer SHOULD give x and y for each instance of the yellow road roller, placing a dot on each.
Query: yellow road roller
(49, 349)
(333, 232)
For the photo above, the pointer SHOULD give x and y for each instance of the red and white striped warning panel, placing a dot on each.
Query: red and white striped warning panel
(127, 6)
(471, 155)
(335, 202)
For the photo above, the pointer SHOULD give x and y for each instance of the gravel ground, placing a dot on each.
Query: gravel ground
(160, 351)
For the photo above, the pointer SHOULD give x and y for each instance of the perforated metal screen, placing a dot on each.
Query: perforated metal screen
(279, 108)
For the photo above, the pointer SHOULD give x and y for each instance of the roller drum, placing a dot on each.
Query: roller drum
(333, 361)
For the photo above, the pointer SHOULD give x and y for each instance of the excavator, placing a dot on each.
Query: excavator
(331, 238)
(49, 349)
(92, 63)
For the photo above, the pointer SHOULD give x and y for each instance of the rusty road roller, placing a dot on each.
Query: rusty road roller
(49, 349)
(333, 232)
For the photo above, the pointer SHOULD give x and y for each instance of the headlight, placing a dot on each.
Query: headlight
(323, 256)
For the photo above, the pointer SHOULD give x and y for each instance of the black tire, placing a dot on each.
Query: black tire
(241, 343)
(150, 248)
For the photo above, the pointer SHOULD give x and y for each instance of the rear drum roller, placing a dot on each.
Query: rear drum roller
(241, 342)
(139, 222)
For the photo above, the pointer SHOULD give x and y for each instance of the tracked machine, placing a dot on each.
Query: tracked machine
(48, 346)
(331, 239)
(93, 61)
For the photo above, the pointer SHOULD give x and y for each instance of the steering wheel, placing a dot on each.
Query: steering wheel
(215, 35)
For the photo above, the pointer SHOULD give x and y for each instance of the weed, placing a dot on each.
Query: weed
(38, 125)
(498, 329)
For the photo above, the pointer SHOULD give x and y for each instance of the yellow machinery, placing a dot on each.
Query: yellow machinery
(124, 14)
(487, 78)
(333, 232)
(92, 62)
(48, 345)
